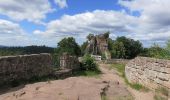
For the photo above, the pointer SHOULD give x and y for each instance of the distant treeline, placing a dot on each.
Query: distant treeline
(6, 51)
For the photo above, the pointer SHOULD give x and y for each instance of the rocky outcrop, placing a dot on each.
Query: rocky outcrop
(149, 72)
(98, 45)
(24, 67)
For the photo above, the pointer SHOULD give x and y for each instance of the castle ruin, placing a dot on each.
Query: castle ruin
(98, 45)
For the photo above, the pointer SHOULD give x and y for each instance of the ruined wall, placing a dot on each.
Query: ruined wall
(24, 66)
(149, 72)
(69, 62)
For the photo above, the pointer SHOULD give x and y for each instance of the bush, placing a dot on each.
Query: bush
(88, 63)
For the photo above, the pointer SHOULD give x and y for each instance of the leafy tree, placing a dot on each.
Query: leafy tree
(110, 44)
(119, 50)
(126, 48)
(6, 51)
(90, 36)
(106, 35)
(157, 52)
(68, 45)
(168, 46)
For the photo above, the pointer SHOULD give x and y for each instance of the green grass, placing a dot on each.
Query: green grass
(104, 98)
(159, 97)
(162, 90)
(161, 93)
(121, 69)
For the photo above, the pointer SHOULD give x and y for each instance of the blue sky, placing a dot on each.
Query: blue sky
(45, 22)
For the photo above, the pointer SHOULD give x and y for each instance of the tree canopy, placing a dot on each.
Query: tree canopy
(124, 47)
(68, 45)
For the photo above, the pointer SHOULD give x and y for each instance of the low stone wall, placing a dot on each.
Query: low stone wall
(149, 72)
(24, 67)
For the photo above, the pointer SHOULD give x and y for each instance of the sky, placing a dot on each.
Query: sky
(46, 22)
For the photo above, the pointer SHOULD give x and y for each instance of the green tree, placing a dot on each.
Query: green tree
(68, 45)
(90, 36)
(119, 50)
(128, 48)
(168, 46)
(106, 35)
(157, 52)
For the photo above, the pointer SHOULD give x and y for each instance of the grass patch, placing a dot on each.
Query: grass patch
(161, 93)
(121, 69)
(162, 90)
(104, 98)
(159, 97)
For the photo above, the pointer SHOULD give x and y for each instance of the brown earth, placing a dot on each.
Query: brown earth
(109, 86)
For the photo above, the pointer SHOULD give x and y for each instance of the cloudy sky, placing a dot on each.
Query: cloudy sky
(45, 22)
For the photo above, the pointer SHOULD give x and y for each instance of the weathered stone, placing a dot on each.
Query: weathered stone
(149, 71)
(163, 76)
(69, 62)
(98, 45)
(24, 67)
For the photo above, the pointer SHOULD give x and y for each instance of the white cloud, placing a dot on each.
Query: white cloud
(61, 3)
(31, 10)
(80, 25)
(153, 23)
(11, 34)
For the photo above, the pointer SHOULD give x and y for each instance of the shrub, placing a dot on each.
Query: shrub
(88, 63)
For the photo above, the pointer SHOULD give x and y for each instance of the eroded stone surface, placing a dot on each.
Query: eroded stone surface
(24, 67)
(148, 71)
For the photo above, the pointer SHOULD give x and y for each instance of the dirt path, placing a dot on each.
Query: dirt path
(136, 94)
(109, 85)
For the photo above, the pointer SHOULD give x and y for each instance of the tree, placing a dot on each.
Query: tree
(69, 45)
(168, 46)
(119, 49)
(126, 47)
(110, 44)
(106, 35)
(90, 36)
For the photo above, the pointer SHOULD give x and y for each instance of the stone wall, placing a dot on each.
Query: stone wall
(149, 72)
(24, 67)
(69, 62)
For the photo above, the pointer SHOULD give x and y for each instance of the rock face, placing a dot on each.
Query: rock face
(24, 67)
(149, 72)
(98, 45)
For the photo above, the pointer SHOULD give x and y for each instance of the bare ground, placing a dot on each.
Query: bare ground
(109, 86)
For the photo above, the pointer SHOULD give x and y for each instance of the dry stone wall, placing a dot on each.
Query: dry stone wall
(24, 67)
(149, 72)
